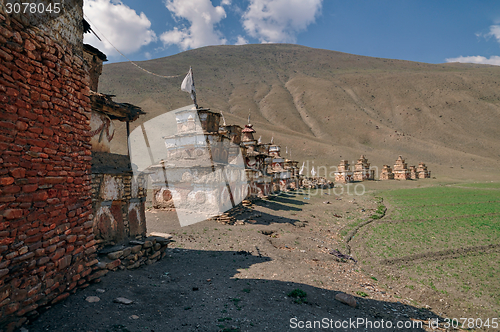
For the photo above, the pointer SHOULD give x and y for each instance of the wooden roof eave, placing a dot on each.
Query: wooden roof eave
(116, 111)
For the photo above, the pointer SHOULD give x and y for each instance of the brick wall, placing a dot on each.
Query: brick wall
(47, 246)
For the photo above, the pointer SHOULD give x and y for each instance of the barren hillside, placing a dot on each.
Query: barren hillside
(328, 105)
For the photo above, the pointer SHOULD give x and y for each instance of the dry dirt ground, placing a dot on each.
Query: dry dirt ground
(239, 277)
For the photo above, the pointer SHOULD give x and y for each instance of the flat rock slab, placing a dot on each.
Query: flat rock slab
(92, 299)
(123, 300)
(107, 250)
(163, 235)
(346, 299)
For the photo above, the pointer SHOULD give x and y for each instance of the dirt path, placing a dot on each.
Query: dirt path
(219, 277)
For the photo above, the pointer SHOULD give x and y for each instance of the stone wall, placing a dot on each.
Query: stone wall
(134, 254)
(47, 246)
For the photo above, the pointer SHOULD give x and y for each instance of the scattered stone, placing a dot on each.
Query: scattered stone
(92, 299)
(101, 265)
(112, 265)
(123, 300)
(162, 235)
(127, 251)
(136, 249)
(109, 249)
(115, 255)
(134, 317)
(134, 266)
(346, 299)
(340, 255)
(100, 290)
(153, 256)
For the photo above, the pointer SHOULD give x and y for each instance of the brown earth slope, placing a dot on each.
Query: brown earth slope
(328, 105)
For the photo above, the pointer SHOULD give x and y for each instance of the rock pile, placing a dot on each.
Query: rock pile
(133, 254)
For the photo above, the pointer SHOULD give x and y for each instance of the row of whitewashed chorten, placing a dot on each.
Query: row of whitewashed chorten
(265, 170)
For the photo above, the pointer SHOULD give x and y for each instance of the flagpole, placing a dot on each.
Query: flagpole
(193, 92)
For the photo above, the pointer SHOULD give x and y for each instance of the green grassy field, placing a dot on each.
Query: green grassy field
(446, 238)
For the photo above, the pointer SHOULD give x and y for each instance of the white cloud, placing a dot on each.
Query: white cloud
(493, 60)
(478, 59)
(119, 24)
(202, 16)
(275, 21)
(241, 41)
(495, 32)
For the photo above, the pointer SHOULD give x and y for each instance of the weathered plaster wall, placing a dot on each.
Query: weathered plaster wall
(119, 205)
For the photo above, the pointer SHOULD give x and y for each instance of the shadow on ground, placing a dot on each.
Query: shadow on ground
(264, 218)
(197, 290)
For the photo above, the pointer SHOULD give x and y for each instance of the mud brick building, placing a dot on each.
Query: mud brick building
(292, 168)
(401, 171)
(362, 170)
(47, 245)
(343, 173)
(118, 199)
(386, 173)
(233, 132)
(422, 171)
(413, 173)
(281, 174)
(255, 154)
(263, 183)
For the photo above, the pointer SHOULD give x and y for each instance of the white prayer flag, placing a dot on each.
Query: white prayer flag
(188, 85)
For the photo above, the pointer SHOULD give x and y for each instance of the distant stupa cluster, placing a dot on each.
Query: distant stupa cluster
(362, 171)
(402, 172)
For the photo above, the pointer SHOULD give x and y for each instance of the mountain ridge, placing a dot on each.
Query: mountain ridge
(328, 105)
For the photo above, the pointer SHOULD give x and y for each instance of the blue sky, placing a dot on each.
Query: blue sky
(425, 31)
